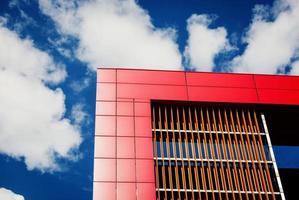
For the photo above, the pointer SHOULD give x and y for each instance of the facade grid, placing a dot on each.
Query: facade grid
(135, 157)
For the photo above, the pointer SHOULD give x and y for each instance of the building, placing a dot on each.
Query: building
(191, 135)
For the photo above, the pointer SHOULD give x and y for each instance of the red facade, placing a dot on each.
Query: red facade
(123, 158)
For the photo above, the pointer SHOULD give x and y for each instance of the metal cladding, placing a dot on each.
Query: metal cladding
(156, 137)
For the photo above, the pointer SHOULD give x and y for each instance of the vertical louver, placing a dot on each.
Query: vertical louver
(206, 152)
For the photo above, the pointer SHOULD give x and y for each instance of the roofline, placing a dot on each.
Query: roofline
(172, 70)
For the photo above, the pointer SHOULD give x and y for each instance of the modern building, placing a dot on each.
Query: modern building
(192, 135)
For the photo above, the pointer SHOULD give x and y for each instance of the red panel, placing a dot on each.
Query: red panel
(151, 91)
(125, 108)
(151, 77)
(105, 108)
(104, 170)
(142, 109)
(144, 148)
(279, 96)
(106, 75)
(104, 191)
(277, 82)
(125, 99)
(145, 170)
(142, 100)
(142, 86)
(126, 170)
(104, 147)
(126, 191)
(146, 191)
(143, 127)
(125, 147)
(105, 125)
(220, 80)
(125, 126)
(213, 94)
(106, 91)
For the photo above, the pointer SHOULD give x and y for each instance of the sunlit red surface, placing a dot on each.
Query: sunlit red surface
(123, 158)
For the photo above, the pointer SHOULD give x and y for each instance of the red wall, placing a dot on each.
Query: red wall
(123, 157)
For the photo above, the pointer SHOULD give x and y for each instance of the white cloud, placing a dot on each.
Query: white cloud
(32, 123)
(78, 114)
(20, 56)
(3, 21)
(80, 85)
(62, 46)
(272, 39)
(6, 194)
(295, 68)
(204, 43)
(115, 33)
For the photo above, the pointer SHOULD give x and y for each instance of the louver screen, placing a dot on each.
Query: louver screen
(213, 152)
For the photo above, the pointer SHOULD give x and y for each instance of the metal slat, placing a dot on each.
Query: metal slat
(162, 153)
(167, 141)
(254, 144)
(195, 168)
(244, 155)
(231, 187)
(202, 169)
(177, 180)
(255, 179)
(180, 141)
(235, 172)
(207, 153)
(261, 146)
(212, 152)
(188, 153)
(236, 143)
(219, 153)
(194, 152)
(155, 151)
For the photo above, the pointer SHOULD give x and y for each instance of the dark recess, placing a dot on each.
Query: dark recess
(283, 124)
(289, 179)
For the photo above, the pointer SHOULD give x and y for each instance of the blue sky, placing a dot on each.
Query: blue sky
(49, 50)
